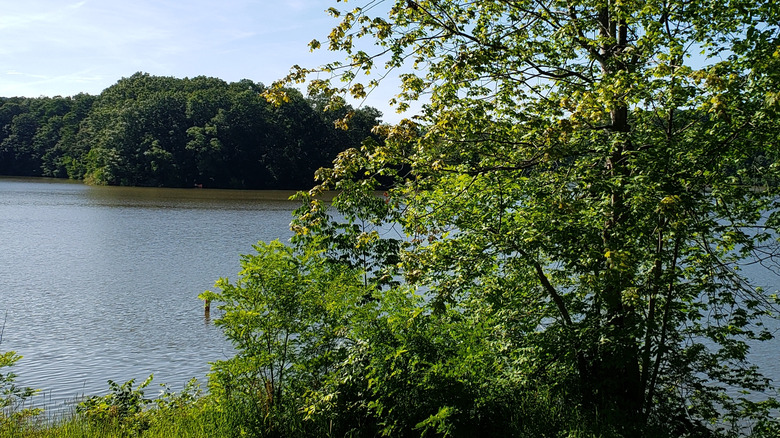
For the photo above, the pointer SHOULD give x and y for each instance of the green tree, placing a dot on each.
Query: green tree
(162, 131)
(37, 136)
(287, 316)
(588, 170)
(18, 146)
(12, 397)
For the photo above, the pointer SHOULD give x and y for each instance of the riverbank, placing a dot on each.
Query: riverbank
(187, 421)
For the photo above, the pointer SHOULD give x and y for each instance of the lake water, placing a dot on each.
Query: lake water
(101, 283)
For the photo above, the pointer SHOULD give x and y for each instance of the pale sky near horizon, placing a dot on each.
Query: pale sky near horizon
(65, 47)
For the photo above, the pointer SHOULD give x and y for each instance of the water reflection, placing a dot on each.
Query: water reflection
(209, 199)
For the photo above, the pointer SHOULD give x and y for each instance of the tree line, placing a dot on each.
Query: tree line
(163, 131)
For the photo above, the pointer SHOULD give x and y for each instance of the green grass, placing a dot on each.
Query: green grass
(199, 420)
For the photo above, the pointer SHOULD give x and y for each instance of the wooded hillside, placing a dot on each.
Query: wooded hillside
(162, 131)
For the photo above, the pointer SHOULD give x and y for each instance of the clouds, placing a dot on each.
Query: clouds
(51, 47)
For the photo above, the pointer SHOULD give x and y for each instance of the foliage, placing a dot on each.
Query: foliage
(287, 317)
(583, 186)
(127, 411)
(188, 413)
(123, 406)
(161, 131)
(558, 249)
(12, 397)
(38, 136)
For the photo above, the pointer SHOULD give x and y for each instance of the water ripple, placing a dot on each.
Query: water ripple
(102, 284)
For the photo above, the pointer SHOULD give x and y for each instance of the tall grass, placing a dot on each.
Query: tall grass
(198, 420)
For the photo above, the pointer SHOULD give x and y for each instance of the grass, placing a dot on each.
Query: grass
(125, 412)
(197, 420)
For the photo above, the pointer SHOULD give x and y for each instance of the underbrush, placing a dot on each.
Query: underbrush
(126, 412)
(196, 421)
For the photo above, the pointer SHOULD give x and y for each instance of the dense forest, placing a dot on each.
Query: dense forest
(162, 131)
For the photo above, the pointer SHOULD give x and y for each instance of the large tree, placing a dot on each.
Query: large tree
(594, 173)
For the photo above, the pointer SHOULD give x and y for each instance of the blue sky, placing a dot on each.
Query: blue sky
(64, 47)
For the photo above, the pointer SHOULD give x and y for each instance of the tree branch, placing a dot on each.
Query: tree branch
(664, 326)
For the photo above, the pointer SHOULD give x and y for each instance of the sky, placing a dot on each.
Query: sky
(66, 47)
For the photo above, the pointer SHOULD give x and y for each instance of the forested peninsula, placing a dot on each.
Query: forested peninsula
(158, 131)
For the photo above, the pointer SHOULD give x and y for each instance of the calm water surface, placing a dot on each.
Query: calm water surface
(101, 283)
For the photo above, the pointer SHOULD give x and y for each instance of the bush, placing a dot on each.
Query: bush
(287, 316)
(123, 406)
(13, 397)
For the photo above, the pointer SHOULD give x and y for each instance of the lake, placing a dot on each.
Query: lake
(101, 283)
